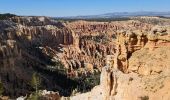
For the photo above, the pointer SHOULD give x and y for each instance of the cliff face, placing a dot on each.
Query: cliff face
(133, 53)
(9, 55)
(29, 45)
(139, 69)
(98, 39)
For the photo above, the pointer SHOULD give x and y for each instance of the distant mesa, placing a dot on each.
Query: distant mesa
(122, 14)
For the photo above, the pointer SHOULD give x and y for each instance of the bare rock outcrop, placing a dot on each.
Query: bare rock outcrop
(145, 75)
(98, 39)
(21, 40)
(136, 54)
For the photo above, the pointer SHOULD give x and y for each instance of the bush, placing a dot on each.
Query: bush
(86, 83)
(144, 98)
(102, 38)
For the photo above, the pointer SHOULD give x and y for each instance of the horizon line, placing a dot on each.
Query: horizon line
(90, 14)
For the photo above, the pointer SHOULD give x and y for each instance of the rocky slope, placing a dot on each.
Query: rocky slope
(71, 55)
(29, 45)
(144, 75)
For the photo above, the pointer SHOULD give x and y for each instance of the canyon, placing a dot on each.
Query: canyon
(142, 76)
(132, 57)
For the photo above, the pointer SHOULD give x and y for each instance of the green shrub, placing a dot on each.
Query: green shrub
(86, 83)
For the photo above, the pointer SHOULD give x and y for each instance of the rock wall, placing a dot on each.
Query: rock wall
(21, 54)
(38, 44)
(145, 74)
(97, 40)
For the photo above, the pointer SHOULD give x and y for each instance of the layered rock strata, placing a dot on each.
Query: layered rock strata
(145, 74)
(41, 45)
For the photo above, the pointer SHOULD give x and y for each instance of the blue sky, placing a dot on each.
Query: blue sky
(80, 7)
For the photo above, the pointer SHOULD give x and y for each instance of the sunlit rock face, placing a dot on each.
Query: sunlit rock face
(29, 45)
(138, 70)
(135, 55)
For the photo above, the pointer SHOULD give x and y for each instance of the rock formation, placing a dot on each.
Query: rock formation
(135, 55)
(28, 45)
(139, 70)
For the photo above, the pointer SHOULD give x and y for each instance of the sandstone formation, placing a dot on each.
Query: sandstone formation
(29, 45)
(139, 70)
(135, 55)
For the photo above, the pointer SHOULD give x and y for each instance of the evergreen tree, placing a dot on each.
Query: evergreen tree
(36, 82)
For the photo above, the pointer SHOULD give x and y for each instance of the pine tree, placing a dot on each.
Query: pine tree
(35, 82)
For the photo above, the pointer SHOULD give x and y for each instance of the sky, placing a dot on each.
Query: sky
(58, 8)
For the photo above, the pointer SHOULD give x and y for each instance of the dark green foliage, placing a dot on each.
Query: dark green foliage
(60, 68)
(60, 81)
(6, 16)
(82, 84)
(103, 38)
(36, 81)
(86, 83)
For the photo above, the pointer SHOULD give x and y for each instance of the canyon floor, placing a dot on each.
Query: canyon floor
(85, 60)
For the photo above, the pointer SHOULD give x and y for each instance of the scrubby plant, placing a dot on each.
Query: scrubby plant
(144, 98)
(102, 38)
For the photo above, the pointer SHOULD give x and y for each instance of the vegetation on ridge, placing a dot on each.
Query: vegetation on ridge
(6, 16)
